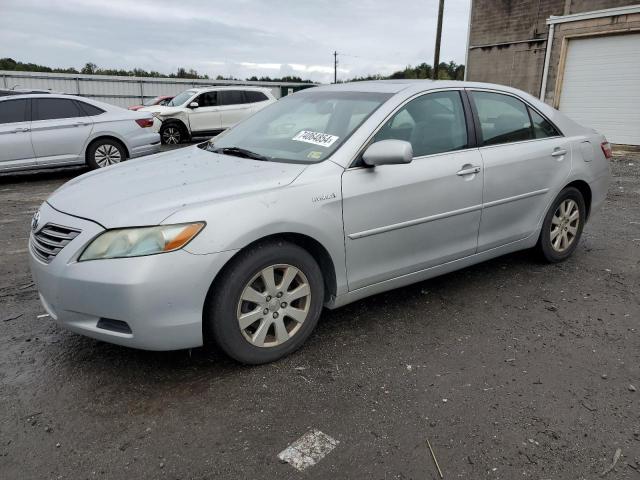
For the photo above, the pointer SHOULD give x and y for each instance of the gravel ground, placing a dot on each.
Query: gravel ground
(511, 369)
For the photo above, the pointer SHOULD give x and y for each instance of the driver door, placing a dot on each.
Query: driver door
(400, 219)
(205, 119)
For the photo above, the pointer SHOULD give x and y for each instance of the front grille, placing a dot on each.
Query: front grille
(47, 242)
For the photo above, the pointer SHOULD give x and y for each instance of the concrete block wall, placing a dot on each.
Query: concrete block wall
(508, 38)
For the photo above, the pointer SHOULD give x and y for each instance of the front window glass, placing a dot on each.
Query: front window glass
(503, 118)
(13, 111)
(208, 99)
(181, 98)
(303, 128)
(432, 123)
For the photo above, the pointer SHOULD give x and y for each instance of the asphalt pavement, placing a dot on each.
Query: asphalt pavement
(512, 369)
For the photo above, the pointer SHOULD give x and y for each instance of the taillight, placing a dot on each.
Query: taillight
(606, 149)
(145, 122)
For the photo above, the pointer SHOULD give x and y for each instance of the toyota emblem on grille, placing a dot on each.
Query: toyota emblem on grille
(35, 220)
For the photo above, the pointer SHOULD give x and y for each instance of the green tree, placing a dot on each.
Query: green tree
(89, 68)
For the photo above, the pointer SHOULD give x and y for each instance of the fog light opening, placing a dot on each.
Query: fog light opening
(114, 325)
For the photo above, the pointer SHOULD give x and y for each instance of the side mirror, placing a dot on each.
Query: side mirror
(194, 105)
(388, 152)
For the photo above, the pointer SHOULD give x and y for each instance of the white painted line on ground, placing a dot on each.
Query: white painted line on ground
(308, 450)
(44, 315)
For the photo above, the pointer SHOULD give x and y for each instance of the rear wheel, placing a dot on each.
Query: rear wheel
(105, 152)
(562, 226)
(266, 303)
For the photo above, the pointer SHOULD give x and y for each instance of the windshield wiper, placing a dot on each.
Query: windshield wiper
(240, 152)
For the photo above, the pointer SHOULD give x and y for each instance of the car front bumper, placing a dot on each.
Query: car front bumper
(160, 297)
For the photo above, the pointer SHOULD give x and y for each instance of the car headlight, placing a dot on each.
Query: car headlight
(136, 242)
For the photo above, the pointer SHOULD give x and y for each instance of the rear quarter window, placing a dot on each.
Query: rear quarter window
(253, 96)
(89, 110)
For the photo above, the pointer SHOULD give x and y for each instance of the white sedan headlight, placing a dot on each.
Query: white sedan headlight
(136, 242)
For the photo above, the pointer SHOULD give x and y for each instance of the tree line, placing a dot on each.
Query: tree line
(446, 71)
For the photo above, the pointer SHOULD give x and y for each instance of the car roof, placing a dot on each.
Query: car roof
(228, 87)
(399, 85)
(43, 95)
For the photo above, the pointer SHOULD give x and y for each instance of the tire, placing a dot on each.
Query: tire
(560, 234)
(173, 133)
(105, 152)
(261, 338)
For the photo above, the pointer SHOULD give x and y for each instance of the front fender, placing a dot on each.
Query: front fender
(310, 206)
(177, 116)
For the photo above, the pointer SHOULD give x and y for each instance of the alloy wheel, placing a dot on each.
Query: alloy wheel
(107, 154)
(171, 135)
(564, 225)
(273, 305)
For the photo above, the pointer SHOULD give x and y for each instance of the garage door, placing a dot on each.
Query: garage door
(601, 86)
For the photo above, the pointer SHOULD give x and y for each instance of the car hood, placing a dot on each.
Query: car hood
(146, 191)
(162, 110)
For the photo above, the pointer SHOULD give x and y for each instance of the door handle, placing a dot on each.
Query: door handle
(80, 124)
(558, 153)
(21, 129)
(468, 170)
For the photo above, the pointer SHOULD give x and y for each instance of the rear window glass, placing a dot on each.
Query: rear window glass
(13, 111)
(230, 97)
(54, 108)
(503, 118)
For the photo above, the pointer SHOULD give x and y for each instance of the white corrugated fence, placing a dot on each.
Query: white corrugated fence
(123, 91)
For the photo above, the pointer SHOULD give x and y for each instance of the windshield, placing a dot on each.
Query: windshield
(181, 98)
(303, 128)
(151, 102)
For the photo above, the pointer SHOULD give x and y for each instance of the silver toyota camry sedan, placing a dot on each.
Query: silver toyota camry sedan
(325, 197)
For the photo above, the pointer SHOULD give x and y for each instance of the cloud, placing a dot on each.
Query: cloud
(239, 38)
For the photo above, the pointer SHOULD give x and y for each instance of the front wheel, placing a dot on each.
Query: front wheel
(172, 134)
(562, 226)
(266, 304)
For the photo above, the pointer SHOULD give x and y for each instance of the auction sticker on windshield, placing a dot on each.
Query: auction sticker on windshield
(317, 138)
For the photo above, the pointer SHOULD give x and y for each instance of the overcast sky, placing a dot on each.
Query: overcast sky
(233, 37)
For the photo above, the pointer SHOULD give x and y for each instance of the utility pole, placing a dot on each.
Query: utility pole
(335, 67)
(436, 58)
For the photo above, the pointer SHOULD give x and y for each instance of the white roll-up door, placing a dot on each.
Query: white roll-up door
(601, 85)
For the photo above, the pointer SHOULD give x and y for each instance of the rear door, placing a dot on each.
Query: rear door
(59, 131)
(206, 118)
(16, 150)
(526, 162)
(233, 107)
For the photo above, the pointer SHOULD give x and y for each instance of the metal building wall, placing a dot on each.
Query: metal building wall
(121, 91)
